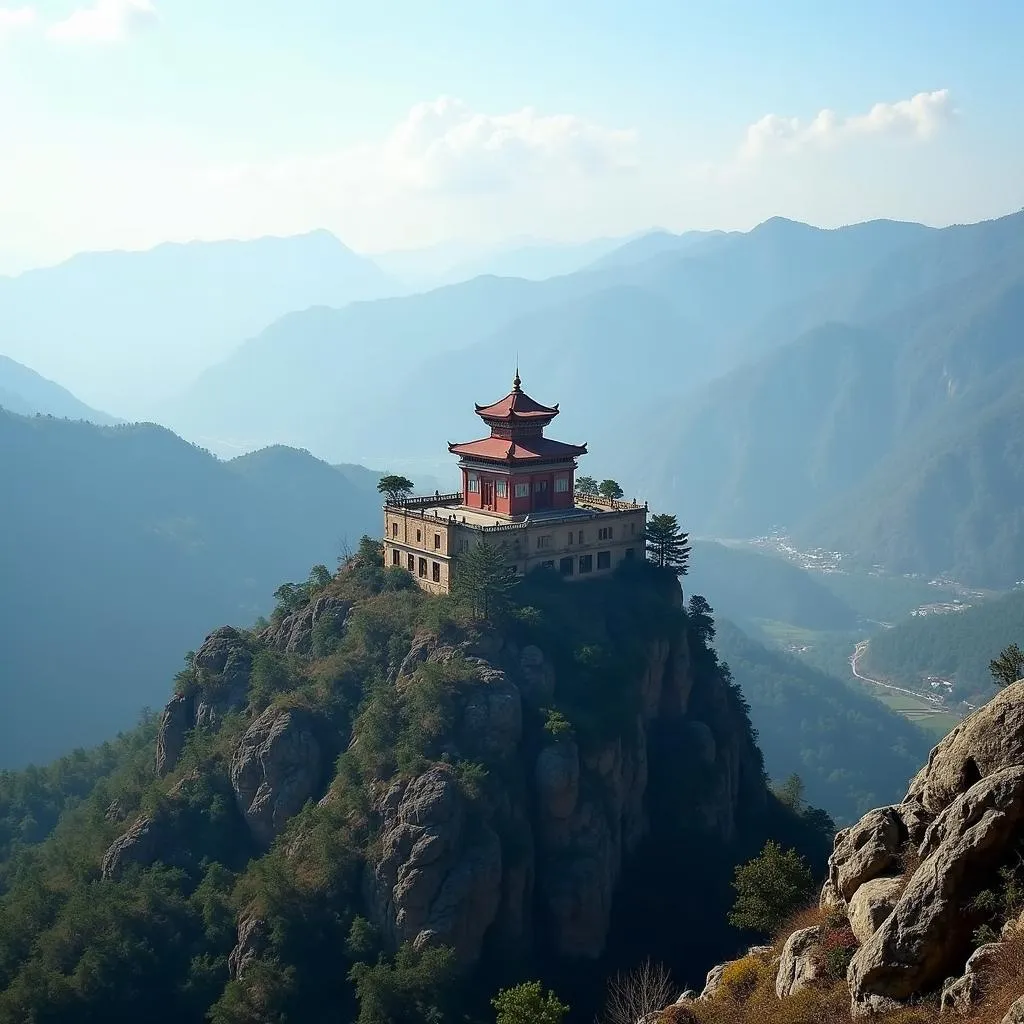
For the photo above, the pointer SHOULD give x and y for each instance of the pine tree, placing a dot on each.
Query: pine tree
(527, 1003)
(395, 487)
(483, 578)
(770, 888)
(1008, 667)
(586, 485)
(667, 546)
(609, 489)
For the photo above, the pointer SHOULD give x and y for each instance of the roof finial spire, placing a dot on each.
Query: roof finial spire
(516, 382)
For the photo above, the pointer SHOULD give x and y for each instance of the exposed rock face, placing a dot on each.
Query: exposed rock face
(1015, 1014)
(990, 739)
(277, 767)
(294, 634)
(220, 683)
(144, 843)
(251, 943)
(439, 876)
(865, 851)
(871, 904)
(929, 929)
(798, 967)
(175, 721)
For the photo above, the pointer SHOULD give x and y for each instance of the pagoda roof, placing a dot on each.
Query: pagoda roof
(530, 449)
(517, 405)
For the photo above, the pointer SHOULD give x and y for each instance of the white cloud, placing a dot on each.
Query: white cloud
(919, 117)
(107, 21)
(443, 146)
(13, 19)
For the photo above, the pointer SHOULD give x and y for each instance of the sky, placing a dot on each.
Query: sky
(400, 123)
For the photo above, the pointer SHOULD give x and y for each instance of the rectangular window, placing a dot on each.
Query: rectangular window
(423, 568)
(631, 552)
(604, 559)
(565, 566)
(474, 483)
(437, 542)
(604, 533)
(436, 572)
(545, 541)
(419, 536)
(570, 536)
(522, 490)
(501, 488)
(586, 564)
(562, 485)
(396, 557)
(540, 486)
(412, 564)
(394, 529)
(581, 537)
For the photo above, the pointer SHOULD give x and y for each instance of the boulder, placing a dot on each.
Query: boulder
(1015, 1014)
(276, 768)
(713, 982)
(798, 965)
(959, 995)
(221, 670)
(865, 851)
(438, 879)
(144, 844)
(871, 904)
(991, 739)
(929, 929)
(175, 723)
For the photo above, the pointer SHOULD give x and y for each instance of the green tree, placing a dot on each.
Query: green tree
(770, 888)
(586, 485)
(610, 489)
(395, 487)
(483, 578)
(791, 793)
(667, 545)
(409, 990)
(527, 1003)
(1008, 667)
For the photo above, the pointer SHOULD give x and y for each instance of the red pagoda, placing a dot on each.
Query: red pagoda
(517, 470)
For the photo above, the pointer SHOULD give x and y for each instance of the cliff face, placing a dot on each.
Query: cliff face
(526, 854)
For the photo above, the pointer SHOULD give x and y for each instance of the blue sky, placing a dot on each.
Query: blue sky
(127, 122)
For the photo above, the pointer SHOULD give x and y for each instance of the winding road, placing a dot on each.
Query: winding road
(858, 652)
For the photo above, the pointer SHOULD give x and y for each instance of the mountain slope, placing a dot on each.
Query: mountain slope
(851, 751)
(25, 392)
(124, 329)
(689, 308)
(117, 546)
(956, 647)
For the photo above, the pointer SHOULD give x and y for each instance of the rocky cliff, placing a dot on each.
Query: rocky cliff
(922, 913)
(381, 772)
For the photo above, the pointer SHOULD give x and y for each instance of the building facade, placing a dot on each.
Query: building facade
(518, 491)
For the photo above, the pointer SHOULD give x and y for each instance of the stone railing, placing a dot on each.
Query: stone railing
(612, 504)
(425, 500)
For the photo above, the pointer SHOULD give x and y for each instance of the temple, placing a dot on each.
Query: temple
(518, 491)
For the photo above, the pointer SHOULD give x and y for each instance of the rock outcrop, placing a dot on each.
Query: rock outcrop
(798, 967)
(219, 683)
(929, 929)
(961, 822)
(145, 842)
(277, 767)
(294, 634)
(438, 880)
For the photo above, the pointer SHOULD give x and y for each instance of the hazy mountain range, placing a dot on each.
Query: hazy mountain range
(24, 391)
(856, 387)
(121, 547)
